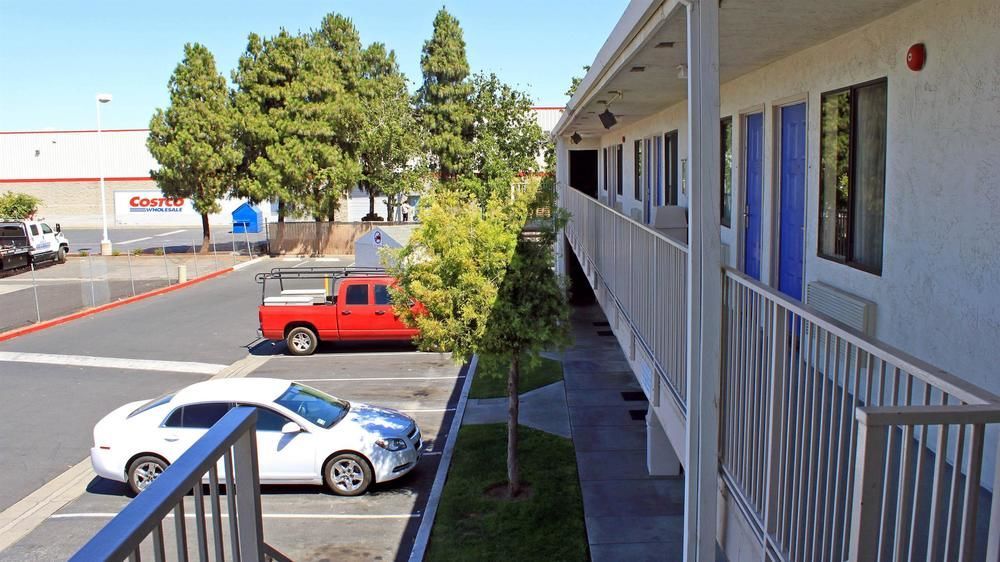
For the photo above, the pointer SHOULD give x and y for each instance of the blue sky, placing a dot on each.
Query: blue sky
(56, 55)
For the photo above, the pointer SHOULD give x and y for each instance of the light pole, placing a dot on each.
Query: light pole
(105, 242)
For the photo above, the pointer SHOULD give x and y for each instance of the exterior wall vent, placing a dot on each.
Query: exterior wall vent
(852, 310)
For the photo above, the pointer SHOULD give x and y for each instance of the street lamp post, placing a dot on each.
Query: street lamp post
(105, 242)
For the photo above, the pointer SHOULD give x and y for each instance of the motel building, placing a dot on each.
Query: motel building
(789, 212)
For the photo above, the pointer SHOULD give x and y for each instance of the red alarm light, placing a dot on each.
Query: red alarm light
(916, 56)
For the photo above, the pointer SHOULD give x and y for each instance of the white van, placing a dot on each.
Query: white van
(47, 244)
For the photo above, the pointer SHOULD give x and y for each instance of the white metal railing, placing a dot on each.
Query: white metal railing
(836, 446)
(230, 444)
(653, 300)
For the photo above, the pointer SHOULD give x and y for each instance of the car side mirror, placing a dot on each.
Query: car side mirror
(291, 427)
(58, 228)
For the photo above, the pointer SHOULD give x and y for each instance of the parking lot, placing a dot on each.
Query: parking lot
(305, 523)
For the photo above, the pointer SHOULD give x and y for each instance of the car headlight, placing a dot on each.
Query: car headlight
(391, 444)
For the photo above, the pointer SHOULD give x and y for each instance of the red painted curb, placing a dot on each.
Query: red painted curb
(11, 334)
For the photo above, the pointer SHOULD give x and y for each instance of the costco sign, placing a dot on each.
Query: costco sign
(152, 208)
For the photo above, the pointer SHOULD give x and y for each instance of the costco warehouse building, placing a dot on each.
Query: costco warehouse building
(61, 168)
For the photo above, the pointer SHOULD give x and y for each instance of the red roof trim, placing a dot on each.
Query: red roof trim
(560, 108)
(66, 180)
(76, 131)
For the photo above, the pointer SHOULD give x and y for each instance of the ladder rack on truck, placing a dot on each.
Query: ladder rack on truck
(14, 255)
(326, 274)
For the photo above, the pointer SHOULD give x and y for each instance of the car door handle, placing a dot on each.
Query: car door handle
(379, 312)
(171, 438)
(345, 312)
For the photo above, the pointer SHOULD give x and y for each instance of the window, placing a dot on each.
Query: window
(34, 230)
(317, 407)
(671, 169)
(726, 176)
(269, 420)
(200, 416)
(382, 295)
(46, 229)
(852, 175)
(618, 169)
(605, 155)
(357, 294)
(637, 161)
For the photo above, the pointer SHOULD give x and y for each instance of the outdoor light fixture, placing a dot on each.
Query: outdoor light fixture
(576, 138)
(608, 119)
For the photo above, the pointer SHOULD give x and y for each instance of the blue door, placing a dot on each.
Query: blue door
(793, 197)
(754, 183)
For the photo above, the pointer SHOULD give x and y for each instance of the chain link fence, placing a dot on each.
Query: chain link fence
(47, 291)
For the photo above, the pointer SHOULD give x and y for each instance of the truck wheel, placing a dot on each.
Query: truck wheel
(301, 341)
(61, 255)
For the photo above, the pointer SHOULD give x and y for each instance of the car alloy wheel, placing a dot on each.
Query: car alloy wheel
(348, 474)
(301, 342)
(143, 471)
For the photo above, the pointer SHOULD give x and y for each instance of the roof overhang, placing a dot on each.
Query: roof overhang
(643, 54)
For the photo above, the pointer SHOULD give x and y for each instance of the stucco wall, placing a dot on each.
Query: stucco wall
(76, 203)
(938, 296)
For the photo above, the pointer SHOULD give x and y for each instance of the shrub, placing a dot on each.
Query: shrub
(18, 205)
(84, 253)
(116, 253)
(158, 251)
(137, 252)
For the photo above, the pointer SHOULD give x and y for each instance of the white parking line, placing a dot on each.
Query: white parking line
(137, 240)
(112, 363)
(429, 410)
(381, 379)
(169, 233)
(108, 515)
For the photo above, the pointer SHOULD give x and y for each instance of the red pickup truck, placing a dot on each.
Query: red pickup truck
(352, 305)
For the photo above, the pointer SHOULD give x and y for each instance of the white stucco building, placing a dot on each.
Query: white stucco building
(849, 190)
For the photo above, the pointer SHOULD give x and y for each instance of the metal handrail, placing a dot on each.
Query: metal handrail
(122, 536)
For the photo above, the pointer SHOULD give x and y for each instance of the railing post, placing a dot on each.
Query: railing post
(993, 543)
(867, 492)
(776, 416)
(250, 522)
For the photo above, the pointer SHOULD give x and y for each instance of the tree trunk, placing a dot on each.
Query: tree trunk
(513, 466)
(280, 231)
(371, 203)
(206, 234)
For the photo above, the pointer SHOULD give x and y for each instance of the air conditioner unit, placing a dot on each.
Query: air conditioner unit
(852, 310)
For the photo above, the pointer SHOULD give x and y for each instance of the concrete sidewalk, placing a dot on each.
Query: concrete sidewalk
(629, 515)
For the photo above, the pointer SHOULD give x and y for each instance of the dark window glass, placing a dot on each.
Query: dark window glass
(618, 169)
(357, 294)
(637, 181)
(852, 175)
(269, 420)
(202, 416)
(34, 230)
(670, 153)
(726, 176)
(605, 155)
(46, 229)
(382, 295)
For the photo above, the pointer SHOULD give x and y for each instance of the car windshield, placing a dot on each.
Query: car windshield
(152, 404)
(317, 407)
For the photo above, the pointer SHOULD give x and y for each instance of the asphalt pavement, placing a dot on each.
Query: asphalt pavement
(60, 381)
(172, 238)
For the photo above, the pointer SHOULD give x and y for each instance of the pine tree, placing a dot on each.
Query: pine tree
(443, 99)
(193, 138)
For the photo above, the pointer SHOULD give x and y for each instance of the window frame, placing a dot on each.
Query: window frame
(163, 424)
(851, 191)
(671, 168)
(347, 294)
(637, 163)
(619, 165)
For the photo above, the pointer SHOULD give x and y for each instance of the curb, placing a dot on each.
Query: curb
(419, 549)
(11, 334)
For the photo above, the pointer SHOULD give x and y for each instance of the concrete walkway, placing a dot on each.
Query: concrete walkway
(629, 515)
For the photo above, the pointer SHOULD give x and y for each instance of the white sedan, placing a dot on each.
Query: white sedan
(304, 436)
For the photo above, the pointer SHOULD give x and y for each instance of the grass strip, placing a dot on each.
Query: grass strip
(491, 376)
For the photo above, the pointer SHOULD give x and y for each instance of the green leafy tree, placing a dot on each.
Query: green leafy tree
(443, 99)
(390, 149)
(485, 286)
(575, 82)
(506, 138)
(18, 205)
(295, 115)
(193, 138)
